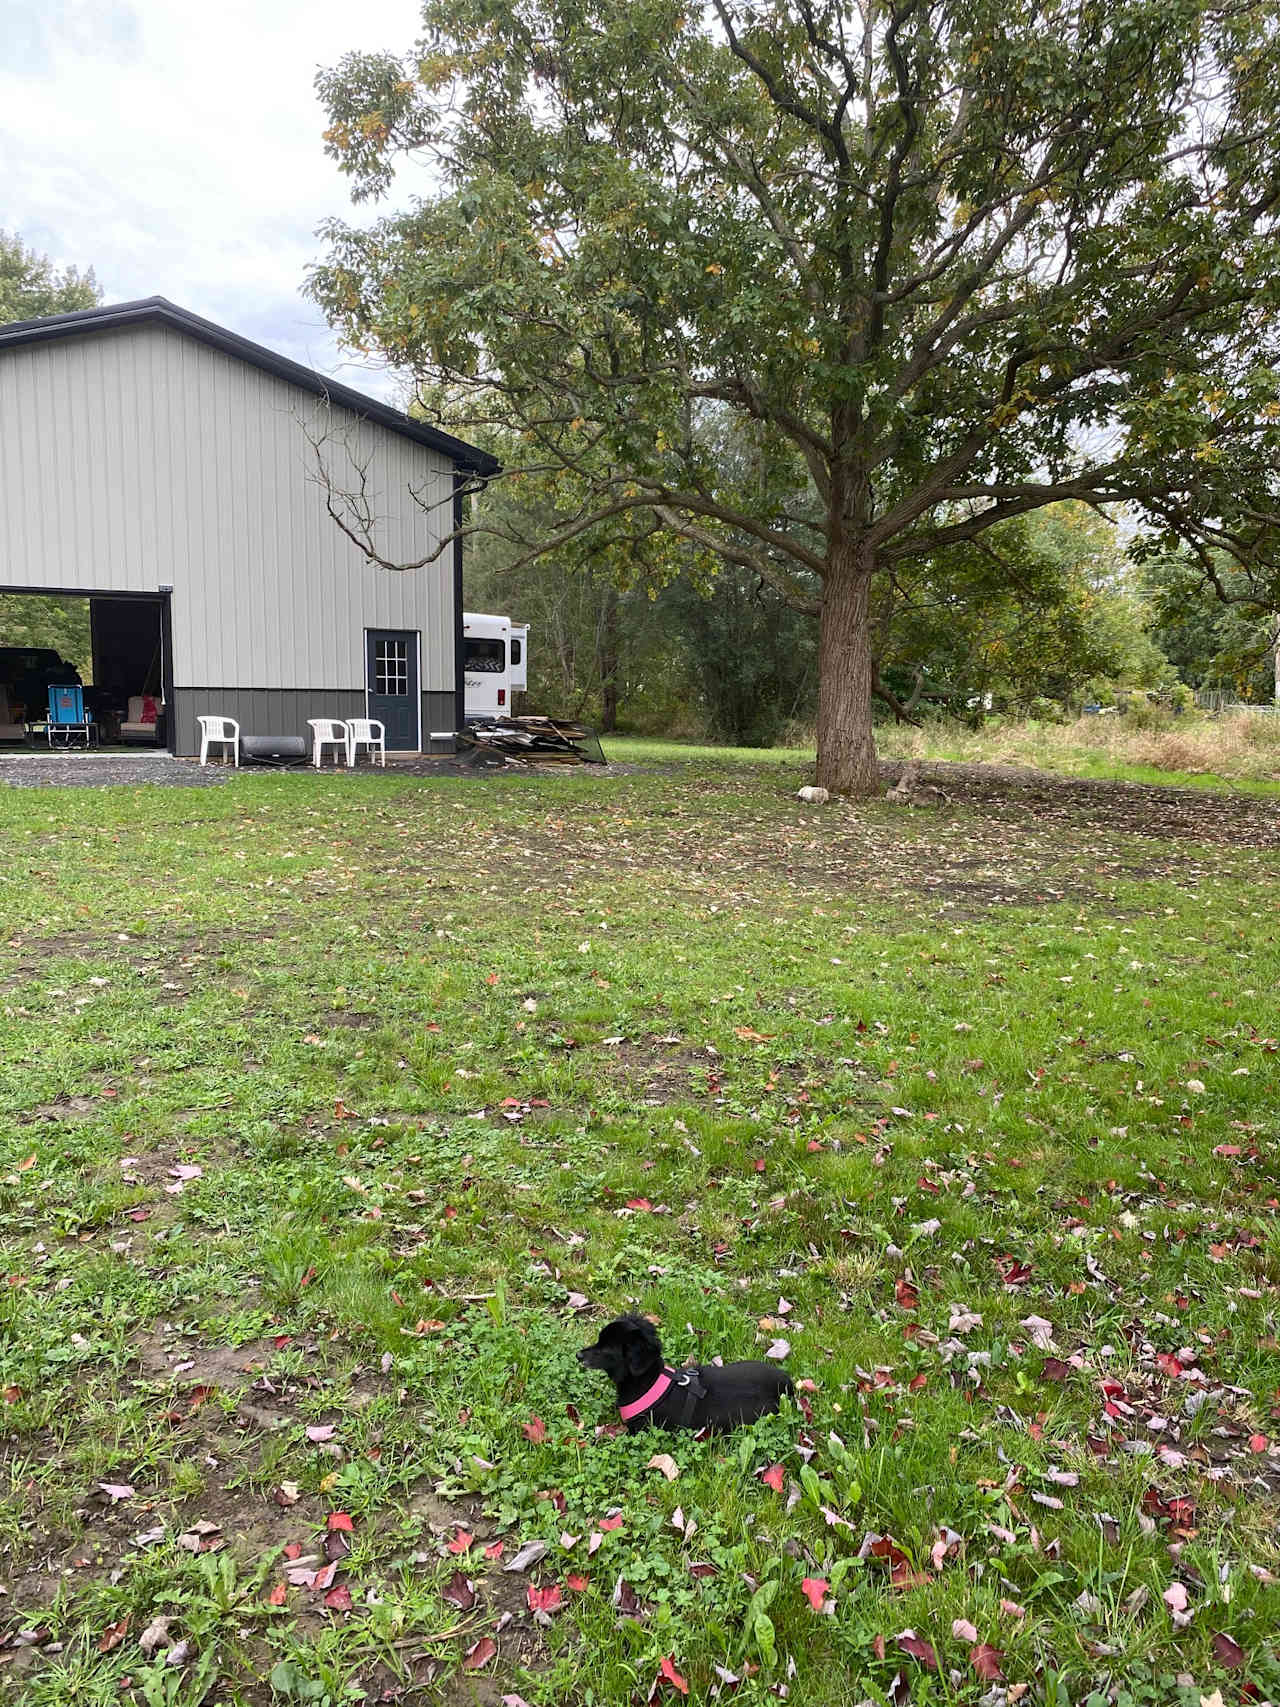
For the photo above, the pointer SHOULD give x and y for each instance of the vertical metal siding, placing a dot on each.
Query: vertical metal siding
(140, 458)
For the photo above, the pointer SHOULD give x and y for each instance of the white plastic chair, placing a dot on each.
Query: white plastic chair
(360, 733)
(327, 732)
(219, 732)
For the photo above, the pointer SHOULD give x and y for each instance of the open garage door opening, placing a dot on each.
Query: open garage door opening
(113, 649)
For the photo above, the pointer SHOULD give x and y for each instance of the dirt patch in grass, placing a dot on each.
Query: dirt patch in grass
(661, 1070)
(1124, 808)
(1006, 838)
(61, 1108)
(165, 1355)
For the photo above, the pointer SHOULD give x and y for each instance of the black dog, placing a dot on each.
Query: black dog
(652, 1395)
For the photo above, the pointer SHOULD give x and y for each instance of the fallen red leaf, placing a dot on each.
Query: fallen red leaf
(1227, 1651)
(906, 1294)
(536, 1431)
(494, 1550)
(614, 1522)
(815, 1589)
(114, 1634)
(1013, 1272)
(639, 1203)
(919, 1649)
(774, 1477)
(459, 1592)
(985, 1660)
(278, 1595)
(479, 1654)
(543, 1599)
(576, 1582)
(461, 1541)
(293, 1550)
(667, 1670)
(340, 1520)
(1166, 1361)
(339, 1599)
(1258, 1443)
(1055, 1369)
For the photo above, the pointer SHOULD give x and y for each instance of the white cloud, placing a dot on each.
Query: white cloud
(176, 148)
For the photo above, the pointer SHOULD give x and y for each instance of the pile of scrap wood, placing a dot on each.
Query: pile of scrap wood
(530, 740)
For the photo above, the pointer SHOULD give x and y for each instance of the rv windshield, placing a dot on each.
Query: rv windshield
(488, 656)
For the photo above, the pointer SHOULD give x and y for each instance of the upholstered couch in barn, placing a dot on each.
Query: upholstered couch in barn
(145, 719)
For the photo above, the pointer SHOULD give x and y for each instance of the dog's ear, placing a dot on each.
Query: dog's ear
(644, 1348)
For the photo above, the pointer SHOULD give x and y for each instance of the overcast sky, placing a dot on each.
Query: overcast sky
(175, 148)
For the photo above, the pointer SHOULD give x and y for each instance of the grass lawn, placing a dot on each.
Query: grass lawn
(337, 1113)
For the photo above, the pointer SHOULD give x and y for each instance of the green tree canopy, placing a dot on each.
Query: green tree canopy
(952, 262)
(1216, 644)
(30, 286)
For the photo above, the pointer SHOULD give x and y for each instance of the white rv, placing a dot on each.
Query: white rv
(495, 663)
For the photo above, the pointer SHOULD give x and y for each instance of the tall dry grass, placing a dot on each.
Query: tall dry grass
(1244, 745)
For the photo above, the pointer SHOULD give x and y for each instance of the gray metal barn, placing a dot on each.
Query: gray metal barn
(165, 468)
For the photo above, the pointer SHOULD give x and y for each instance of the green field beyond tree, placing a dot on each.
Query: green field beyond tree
(337, 1113)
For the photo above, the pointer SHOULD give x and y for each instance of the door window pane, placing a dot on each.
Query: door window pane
(391, 667)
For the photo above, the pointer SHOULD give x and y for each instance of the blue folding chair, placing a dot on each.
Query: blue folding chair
(67, 717)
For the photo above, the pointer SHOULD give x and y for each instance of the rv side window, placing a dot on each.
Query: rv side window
(516, 650)
(486, 656)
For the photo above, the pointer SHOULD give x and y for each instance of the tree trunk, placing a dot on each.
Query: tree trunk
(609, 656)
(846, 748)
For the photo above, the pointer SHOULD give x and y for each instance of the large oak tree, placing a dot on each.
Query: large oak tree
(945, 263)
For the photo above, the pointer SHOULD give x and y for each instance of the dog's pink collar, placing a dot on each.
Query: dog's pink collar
(646, 1400)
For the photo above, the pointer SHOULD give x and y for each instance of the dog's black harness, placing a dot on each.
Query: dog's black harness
(687, 1386)
(684, 1386)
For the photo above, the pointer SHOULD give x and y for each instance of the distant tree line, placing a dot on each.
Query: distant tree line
(689, 648)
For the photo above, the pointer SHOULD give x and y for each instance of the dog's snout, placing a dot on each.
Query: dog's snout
(584, 1357)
